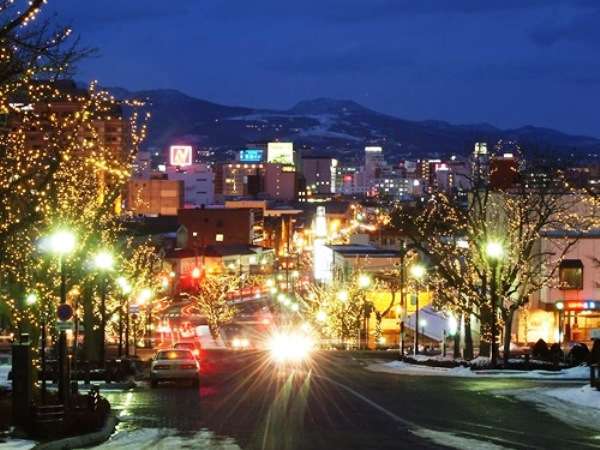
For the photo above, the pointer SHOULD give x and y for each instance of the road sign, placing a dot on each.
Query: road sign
(595, 333)
(134, 309)
(64, 325)
(64, 312)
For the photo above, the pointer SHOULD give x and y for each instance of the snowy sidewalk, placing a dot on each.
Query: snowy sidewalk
(577, 405)
(579, 373)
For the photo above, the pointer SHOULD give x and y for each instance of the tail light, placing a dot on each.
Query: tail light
(189, 366)
(161, 367)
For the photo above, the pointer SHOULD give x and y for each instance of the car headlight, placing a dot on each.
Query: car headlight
(290, 347)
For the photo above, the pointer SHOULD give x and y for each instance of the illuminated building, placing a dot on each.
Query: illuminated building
(504, 171)
(142, 165)
(280, 182)
(223, 226)
(198, 181)
(153, 197)
(239, 179)
(320, 174)
(569, 309)
(321, 255)
(281, 153)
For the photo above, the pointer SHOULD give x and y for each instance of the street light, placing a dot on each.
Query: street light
(103, 261)
(31, 299)
(494, 252)
(342, 296)
(417, 272)
(61, 243)
(364, 281)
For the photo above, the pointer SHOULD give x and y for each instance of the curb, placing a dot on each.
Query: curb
(85, 440)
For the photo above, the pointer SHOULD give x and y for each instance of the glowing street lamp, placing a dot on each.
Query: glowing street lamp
(31, 299)
(417, 271)
(144, 296)
(196, 273)
(104, 261)
(364, 281)
(342, 296)
(321, 316)
(494, 250)
(124, 285)
(61, 243)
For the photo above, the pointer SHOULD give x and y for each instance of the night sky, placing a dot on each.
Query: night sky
(506, 62)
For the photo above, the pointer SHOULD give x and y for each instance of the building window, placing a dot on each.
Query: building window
(219, 237)
(570, 274)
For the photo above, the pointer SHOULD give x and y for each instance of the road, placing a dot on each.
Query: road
(336, 403)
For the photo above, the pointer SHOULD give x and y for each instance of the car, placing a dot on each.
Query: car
(173, 365)
(194, 347)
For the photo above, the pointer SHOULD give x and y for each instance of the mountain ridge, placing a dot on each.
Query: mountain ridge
(338, 126)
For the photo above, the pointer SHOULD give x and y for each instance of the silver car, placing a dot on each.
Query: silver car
(174, 365)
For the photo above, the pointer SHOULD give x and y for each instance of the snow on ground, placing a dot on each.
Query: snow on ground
(454, 441)
(404, 368)
(166, 438)
(583, 396)
(577, 406)
(17, 444)
(4, 381)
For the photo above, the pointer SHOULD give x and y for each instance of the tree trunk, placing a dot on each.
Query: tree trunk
(456, 352)
(508, 320)
(89, 342)
(468, 351)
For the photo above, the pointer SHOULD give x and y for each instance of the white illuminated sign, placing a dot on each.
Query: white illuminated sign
(280, 153)
(180, 155)
(373, 149)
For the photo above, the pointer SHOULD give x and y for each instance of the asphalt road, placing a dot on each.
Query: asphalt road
(334, 404)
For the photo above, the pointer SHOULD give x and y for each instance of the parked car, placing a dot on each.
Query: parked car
(194, 347)
(174, 365)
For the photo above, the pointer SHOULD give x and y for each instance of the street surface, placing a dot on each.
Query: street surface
(244, 403)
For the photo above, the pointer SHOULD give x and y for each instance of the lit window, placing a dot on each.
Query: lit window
(219, 238)
(570, 274)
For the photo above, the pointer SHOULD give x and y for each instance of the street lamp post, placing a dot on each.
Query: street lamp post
(494, 252)
(61, 243)
(103, 262)
(418, 272)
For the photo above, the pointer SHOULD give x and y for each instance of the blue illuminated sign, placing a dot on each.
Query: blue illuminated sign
(251, 155)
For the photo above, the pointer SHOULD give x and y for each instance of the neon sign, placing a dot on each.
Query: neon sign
(578, 305)
(251, 155)
(180, 155)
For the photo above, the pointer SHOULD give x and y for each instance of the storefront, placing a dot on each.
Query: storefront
(577, 319)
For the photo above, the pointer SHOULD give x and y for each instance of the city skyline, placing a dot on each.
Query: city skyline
(506, 63)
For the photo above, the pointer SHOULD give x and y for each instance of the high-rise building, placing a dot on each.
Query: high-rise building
(280, 182)
(320, 174)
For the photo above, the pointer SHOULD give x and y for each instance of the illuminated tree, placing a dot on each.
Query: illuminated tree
(457, 238)
(337, 309)
(213, 299)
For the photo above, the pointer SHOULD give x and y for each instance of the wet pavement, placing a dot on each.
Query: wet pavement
(244, 402)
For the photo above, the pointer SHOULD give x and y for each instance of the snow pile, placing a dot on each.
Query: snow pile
(166, 438)
(17, 444)
(583, 396)
(401, 367)
(4, 371)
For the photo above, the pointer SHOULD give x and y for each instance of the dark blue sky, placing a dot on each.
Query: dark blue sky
(507, 62)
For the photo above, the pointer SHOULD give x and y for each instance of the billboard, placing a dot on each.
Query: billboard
(251, 155)
(280, 153)
(180, 155)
